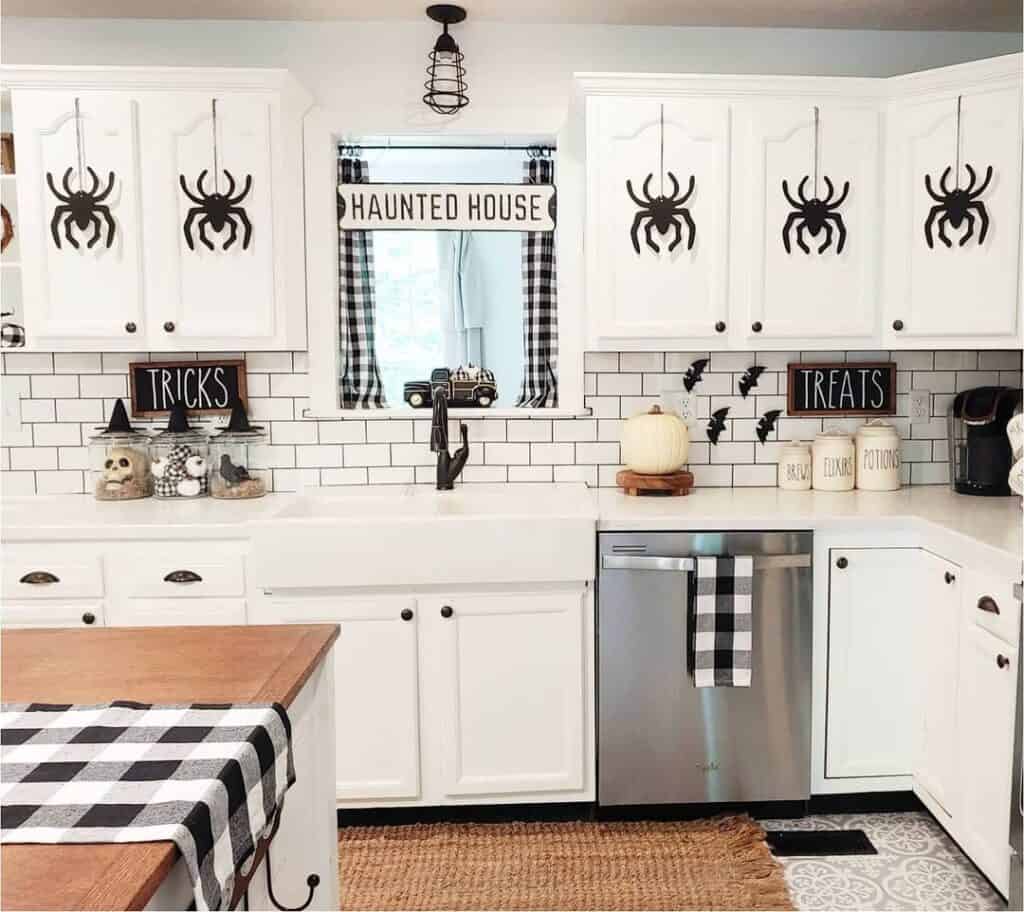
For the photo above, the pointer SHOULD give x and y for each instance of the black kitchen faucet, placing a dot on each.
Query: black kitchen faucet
(448, 466)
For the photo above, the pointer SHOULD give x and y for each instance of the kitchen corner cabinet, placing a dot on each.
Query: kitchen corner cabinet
(150, 289)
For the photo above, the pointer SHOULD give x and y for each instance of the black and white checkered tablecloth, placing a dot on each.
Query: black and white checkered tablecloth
(210, 778)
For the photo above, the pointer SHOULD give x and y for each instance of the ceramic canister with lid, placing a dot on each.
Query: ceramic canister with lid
(180, 458)
(119, 460)
(878, 457)
(795, 466)
(834, 462)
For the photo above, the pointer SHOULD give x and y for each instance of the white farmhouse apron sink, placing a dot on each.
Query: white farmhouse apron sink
(416, 535)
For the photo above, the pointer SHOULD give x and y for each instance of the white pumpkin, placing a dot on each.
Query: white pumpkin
(655, 443)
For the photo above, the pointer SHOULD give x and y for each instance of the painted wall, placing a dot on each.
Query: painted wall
(519, 75)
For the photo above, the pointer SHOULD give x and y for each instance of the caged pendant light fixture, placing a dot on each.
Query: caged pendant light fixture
(446, 76)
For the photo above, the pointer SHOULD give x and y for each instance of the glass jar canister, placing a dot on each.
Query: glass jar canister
(230, 457)
(119, 462)
(180, 458)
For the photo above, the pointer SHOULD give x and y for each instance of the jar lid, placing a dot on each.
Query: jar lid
(119, 427)
(876, 428)
(798, 445)
(833, 435)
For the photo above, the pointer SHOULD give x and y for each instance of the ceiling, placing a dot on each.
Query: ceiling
(957, 15)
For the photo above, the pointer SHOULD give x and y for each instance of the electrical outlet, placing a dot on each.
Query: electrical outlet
(920, 406)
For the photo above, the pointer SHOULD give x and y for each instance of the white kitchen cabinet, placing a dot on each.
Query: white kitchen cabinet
(93, 295)
(936, 640)
(791, 295)
(673, 296)
(984, 742)
(511, 691)
(968, 294)
(168, 612)
(152, 126)
(873, 620)
(51, 613)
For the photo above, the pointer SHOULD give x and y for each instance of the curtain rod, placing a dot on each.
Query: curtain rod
(396, 148)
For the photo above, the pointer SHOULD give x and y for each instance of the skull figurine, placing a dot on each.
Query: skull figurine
(122, 466)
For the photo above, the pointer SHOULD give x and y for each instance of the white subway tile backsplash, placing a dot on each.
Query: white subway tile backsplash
(508, 453)
(15, 484)
(754, 476)
(26, 458)
(411, 454)
(346, 476)
(970, 379)
(732, 452)
(293, 432)
(552, 453)
(636, 405)
(368, 454)
(38, 410)
(597, 453)
(321, 455)
(389, 432)
(28, 363)
(530, 473)
(268, 362)
(602, 406)
(343, 431)
(55, 386)
(577, 473)
(392, 475)
(271, 409)
(730, 362)
(641, 362)
(678, 362)
(268, 456)
(77, 363)
(297, 479)
(956, 360)
(79, 410)
(73, 457)
(103, 386)
(934, 381)
(289, 385)
(576, 429)
(473, 474)
(67, 434)
(601, 362)
(529, 431)
(69, 482)
(929, 473)
(619, 384)
(999, 360)
(117, 362)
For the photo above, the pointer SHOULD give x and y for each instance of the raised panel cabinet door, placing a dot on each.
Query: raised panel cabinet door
(81, 239)
(967, 292)
(831, 292)
(984, 738)
(667, 296)
(376, 672)
(44, 613)
(872, 695)
(938, 635)
(511, 691)
(214, 275)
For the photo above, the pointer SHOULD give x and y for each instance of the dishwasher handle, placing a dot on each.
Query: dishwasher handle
(687, 564)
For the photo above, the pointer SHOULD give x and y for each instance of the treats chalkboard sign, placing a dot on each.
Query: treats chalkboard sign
(854, 388)
(205, 387)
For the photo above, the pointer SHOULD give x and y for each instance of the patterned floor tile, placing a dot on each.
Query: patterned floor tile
(918, 867)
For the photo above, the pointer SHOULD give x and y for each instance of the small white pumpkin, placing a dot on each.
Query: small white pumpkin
(655, 443)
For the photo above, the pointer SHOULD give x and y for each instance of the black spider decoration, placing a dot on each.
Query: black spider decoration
(662, 212)
(82, 208)
(717, 424)
(217, 210)
(814, 215)
(955, 206)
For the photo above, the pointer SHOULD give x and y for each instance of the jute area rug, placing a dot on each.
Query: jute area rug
(721, 863)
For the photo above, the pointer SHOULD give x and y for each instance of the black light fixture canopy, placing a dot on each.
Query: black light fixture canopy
(446, 76)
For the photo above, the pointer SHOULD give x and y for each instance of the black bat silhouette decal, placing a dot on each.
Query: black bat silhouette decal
(767, 424)
(717, 424)
(749, 379)
(694, 373)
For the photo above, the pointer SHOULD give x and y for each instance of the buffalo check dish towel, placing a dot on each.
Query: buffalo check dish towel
(722, 622)
(210, 778)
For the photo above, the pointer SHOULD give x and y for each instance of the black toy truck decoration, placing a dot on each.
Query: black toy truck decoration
(471, 386)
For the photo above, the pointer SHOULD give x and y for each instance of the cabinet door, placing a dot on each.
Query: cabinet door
(985, 712)
(169, 612)
(228, 296)
(667, 297)
(82, 297)
(46, 613)
(960, 294)
(511, 691)
(937, 635)
(827, 293)
(872, 694)
(376, 672)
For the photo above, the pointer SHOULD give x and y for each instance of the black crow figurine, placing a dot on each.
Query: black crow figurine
(231, 473)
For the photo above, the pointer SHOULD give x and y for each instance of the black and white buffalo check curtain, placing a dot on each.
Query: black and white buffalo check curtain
(209, 778)
(723, 630)
(361, 386)
(540, 305)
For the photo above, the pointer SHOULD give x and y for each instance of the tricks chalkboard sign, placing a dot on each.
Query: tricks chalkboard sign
(853, 388)
(205, 387)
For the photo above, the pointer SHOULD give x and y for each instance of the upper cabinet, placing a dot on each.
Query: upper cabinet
(953, 238)
(657, 216)
(810, 206)
(194, 179)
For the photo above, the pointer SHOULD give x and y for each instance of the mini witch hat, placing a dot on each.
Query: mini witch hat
(177, 422)
(119, 423)
(239, 421)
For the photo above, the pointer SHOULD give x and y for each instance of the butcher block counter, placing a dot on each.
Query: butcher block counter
(283, 664)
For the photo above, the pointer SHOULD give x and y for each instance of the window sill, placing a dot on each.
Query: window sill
(406, 413)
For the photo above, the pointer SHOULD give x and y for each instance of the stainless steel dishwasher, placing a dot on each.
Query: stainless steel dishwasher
(661, 740)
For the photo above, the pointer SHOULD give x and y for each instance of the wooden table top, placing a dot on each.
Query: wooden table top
(151, 665)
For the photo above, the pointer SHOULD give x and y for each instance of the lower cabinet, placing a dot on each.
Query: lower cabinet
(461, 698)
(79, 613)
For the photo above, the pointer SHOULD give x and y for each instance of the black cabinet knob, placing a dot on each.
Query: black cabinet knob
(406, 614)
(130, 327)
(169, 326)
(756, 326)
(720, 327)
(950, 578)
(446, 611)
(842, 563)
(1002, 661)
(88, 618)
(897, 325)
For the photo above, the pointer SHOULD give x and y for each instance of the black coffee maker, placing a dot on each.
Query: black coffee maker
(979, 450)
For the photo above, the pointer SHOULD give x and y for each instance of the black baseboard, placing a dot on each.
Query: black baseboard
(869, 803)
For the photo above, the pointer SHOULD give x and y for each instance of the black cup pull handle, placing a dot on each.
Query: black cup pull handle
(988, 604)
(183, 576)
(950, 578)
(842, 563)
(406, 614)
(446, 611)
(88, 618)
(1002, 661)
(39, 578)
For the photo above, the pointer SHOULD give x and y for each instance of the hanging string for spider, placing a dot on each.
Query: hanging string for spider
(216, 210)
(81, 208)
(662, 212)
(959, 205)
(815, 215)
